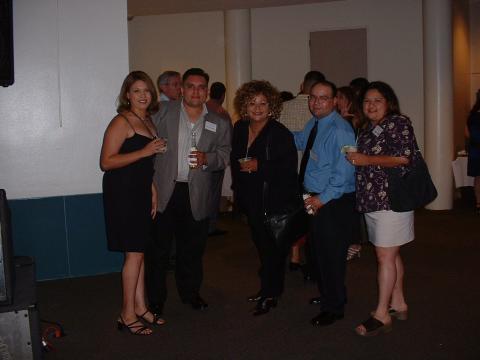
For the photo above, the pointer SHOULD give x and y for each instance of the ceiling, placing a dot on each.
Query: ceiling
(155, 7)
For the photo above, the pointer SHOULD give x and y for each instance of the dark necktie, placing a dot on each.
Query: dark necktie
(306, 153)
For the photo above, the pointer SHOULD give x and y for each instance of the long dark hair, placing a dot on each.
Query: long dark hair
(356, 119)
(124, 104)
(393, 106)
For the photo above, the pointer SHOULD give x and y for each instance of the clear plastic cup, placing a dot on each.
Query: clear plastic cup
(348, 149)
(244, 159)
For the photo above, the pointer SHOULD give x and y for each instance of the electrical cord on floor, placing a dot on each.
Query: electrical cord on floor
(53, 331)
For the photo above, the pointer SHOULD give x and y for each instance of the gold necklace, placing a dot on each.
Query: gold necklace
(144, 122)
(138, 116)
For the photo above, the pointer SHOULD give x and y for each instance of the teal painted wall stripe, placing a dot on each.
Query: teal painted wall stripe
(65, 235)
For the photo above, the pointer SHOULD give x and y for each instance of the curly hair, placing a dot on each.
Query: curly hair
(249, 90)
(122, 100)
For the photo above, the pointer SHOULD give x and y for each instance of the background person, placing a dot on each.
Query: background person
(214, 104)
(169, 85)
(129, 198)
(295, 114)
(348, 107)
(388, 141)
(472, 131)
(259, 104)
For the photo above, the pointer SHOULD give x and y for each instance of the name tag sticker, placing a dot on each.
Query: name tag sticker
(210, 126)
(377, 130)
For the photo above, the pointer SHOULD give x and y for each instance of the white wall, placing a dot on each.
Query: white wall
(394, 44)
(280, 50)
(70, 61)
(178, 42)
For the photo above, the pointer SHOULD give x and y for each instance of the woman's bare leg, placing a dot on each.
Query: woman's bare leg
(398, 298)
(386, 278)
(140, 304)
(130, 275)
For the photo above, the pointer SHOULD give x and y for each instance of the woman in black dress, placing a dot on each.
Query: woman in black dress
(129, 198)
(259, 104)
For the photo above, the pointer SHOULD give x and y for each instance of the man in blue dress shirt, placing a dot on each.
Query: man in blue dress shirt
(329, 178)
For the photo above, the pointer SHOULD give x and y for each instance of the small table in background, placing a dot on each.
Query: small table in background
(459, 166)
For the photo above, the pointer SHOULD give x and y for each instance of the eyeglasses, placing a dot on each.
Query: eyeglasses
(323, 98)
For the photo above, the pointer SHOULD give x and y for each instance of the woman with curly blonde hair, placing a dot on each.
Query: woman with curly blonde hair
(263, 151)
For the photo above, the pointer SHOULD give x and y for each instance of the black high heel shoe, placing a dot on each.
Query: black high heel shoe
(134, 328)
(264, 305)
(254, 298)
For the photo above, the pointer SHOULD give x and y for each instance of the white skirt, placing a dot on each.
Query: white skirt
(388, 228)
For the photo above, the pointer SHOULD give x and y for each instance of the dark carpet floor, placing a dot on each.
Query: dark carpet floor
(442, 288)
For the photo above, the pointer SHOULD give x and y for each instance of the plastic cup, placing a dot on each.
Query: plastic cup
(245, 159)
(348, 149)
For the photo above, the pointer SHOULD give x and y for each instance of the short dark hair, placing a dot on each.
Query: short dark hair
(217, 90)
(286, 96)
(311, 78)
(358, 85)
(393, 106)
(124, 104)
(195, 72)
(327, 83)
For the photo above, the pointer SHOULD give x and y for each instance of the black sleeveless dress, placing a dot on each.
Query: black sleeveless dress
(127, 200)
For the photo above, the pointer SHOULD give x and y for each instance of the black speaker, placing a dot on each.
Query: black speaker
(6, 253)
(6, 43)
(20, 336)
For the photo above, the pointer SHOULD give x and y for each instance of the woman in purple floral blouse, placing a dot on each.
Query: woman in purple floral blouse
(387, 141)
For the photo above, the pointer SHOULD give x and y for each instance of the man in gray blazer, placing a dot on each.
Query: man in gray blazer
(184, 192)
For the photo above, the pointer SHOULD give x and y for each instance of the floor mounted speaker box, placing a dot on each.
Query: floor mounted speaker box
(7, 274)
(20, 337)
(6, 43)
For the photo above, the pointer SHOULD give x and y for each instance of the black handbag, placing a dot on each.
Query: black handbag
(287, 226)
(412, 190)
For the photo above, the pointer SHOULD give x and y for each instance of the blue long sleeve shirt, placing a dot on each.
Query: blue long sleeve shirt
(328, 173)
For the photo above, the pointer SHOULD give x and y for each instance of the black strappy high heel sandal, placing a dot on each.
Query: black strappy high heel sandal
(134, 328)
(157, 320)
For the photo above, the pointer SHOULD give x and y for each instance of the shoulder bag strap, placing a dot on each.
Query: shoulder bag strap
(265, 183)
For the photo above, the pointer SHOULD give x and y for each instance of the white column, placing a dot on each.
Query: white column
(238, 60)
(438, 77)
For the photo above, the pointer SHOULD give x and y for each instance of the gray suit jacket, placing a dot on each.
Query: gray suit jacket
(217, 146)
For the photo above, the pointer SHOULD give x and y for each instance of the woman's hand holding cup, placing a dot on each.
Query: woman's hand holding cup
(248, 164)
(153, 147)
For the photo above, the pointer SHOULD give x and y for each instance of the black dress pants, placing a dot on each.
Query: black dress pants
(272, 259)
(177, 224)
(331, 234)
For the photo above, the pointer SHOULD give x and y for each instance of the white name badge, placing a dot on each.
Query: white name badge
(377, 130)
(210, 126)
